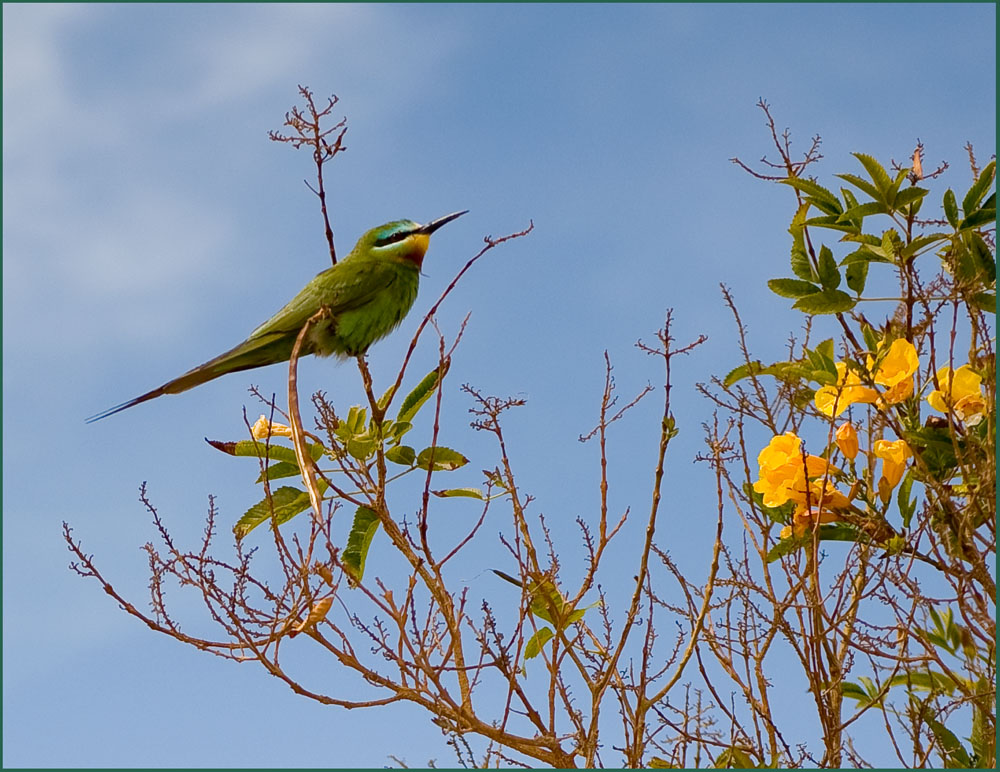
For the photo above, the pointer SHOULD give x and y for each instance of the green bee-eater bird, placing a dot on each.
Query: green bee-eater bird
(367, 293)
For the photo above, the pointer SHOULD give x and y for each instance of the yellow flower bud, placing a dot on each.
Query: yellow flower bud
(847, 440)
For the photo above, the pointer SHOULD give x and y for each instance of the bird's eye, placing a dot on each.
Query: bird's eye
(391, 238)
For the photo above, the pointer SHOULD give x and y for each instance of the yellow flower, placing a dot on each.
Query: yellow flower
(847, 440)
(893, 454)
(896, 371)
(264, 429)
(783, 476)
(961, 391)
(834, 400)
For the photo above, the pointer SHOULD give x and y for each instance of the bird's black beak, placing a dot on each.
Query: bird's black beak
(433, 225)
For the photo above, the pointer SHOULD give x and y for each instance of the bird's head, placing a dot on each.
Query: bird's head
(402, 239)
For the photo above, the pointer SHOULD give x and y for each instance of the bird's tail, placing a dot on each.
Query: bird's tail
(256, 352)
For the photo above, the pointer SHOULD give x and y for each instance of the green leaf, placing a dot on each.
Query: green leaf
(743, 371)
(290, 468)
(978, 219)
(472, 493)
(397, 430)
(357, 418)
(906, 506)
(856, 276)
(982, 254)
(535, 643)
(288, 502)
(928, 681)
(951, 208)
(861, 211)
(922, 241)
(862, 184)
(401, 454)
(853, 691)
(423, 391)
(366, 523)
(823, 198)
(280, 470)
(908, 196)
(866, 254)
(892, 194)
(791, 288)
(443, 459)
(801, 266)
(829, 301)
(979, 188)
(361, 448)
(734, 758)
(955, 756)
(986, 301)
(256, 449)
(878, 174)
(834, 222)
(829, 276)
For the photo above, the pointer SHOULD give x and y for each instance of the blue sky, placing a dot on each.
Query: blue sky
(148, 224)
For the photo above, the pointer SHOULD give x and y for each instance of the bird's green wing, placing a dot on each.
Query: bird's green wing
(347, 285)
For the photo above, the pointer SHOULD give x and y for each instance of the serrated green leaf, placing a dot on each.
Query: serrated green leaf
(829, 275)
(985, 301)
(366, 523)
(951, 208)
(288, 502)
(421, 393)
(280, 470)
(878, 174)
(861, 211)
(866, 254)
(978, 219)
(955, 756)
(908, 196)
(791, 288)
(471, 493)
(829, 301)
(892, 194)
(443, 459)
(856, 274)
(256, 449)
(801, 266)
(982, 254)
(826, 350)
(834, 222)
(817, 191)
(979, 188)
(535, 643)
(923, 241)
(861, 184)
(401, 454)
(743, 371)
